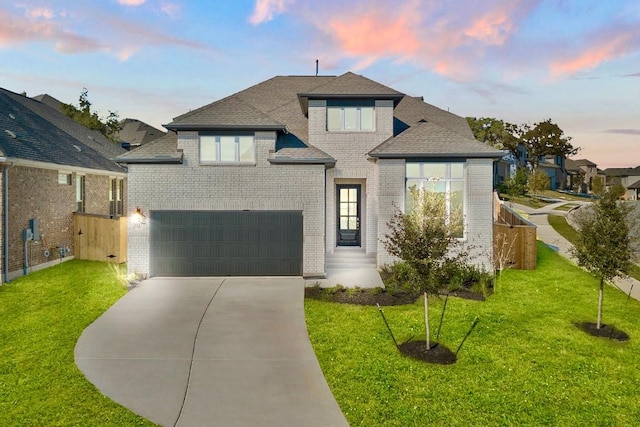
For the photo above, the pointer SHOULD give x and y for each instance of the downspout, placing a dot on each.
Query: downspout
(5, 222)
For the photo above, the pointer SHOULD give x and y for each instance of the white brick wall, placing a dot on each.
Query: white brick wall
(262, 186)
(353, 166)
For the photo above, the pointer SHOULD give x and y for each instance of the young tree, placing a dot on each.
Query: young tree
(597, 186)
(538, 181)
(82, 114)
(426, 239)
(604, 243)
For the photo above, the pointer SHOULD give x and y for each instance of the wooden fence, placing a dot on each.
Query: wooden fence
(514, 239)
(100, 237)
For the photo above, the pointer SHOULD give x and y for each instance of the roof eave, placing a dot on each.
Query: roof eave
(194, 127)
(437, 155)
(311, 161)
(148, 160)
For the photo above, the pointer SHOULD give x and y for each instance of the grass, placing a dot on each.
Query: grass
(559, 223)
(524, 364)
(41, 317)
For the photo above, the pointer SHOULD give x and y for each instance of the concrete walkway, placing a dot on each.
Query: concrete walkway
(210, 352)
(546, 233)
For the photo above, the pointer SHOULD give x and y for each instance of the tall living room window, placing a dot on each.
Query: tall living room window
(443, 178)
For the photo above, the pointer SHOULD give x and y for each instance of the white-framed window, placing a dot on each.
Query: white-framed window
(116, 191)
(80, 205)
(447, 178)
(226, 148)
(350, 118)
(64, 178)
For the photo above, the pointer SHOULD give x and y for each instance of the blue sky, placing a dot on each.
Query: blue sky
(574, 61)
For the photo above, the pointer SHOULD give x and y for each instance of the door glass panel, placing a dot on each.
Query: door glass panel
(344, 209)
(344, 195)
(352, 223)
(353, 195)
(353, 209)
(344, 221)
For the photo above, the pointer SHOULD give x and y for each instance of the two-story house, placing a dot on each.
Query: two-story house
(270, 180)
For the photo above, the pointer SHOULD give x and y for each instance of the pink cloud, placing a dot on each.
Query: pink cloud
(266, 9)
(450, 41)
(604, 48)
(114, 35)
(40, 13)
(131, 2)
(19, 29)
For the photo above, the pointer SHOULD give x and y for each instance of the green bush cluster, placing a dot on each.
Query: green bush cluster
(398, 277)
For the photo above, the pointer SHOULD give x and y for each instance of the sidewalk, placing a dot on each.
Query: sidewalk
(553, 239)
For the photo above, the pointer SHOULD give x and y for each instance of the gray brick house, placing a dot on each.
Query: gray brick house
(50, 167)
(273, 179)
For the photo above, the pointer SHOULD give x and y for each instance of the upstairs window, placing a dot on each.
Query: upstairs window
(342, 116)
(227, 148)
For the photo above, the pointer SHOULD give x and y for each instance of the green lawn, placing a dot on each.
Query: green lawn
(524, 364)
(41, 317)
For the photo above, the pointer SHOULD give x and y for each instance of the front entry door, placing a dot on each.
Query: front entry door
(348, 214)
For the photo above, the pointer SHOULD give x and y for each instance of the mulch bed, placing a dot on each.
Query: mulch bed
(605, 331)
(437, 354)
(377, 296)
(360, 296)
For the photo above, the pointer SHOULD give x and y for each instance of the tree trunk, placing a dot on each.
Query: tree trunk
(426, 320)
(600, 295)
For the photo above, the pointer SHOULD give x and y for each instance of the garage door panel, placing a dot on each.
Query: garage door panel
(221, 243)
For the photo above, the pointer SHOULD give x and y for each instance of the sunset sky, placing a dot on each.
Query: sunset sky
(574, 61)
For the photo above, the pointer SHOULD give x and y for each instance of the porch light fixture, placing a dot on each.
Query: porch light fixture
(139, 216)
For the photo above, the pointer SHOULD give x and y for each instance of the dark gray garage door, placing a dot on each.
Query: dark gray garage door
(223, 243)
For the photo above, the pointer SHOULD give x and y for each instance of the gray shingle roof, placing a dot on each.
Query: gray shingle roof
(280, 104)
(136, 133)
(426, 139)
(26, 135)
(231, 112)
(161, 150)
(88, 137)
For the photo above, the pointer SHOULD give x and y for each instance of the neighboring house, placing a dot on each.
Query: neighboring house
(629, 178)
(580, 174)
(134, 133)
(554, 167)
(270, 180)
(51, 166)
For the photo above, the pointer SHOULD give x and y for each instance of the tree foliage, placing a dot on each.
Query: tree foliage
(82, 114)
(604, 243)
(541, 139)
(545, 139)
(538, 181)
(597, 185)
(496, 133)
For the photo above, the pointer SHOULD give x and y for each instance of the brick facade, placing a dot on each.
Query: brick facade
(263, 186)
(352, 167)
(35, 193)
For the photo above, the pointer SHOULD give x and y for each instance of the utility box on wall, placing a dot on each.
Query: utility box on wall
(34, 225)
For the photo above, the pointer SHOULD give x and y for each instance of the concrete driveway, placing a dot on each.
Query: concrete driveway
(210, 352)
